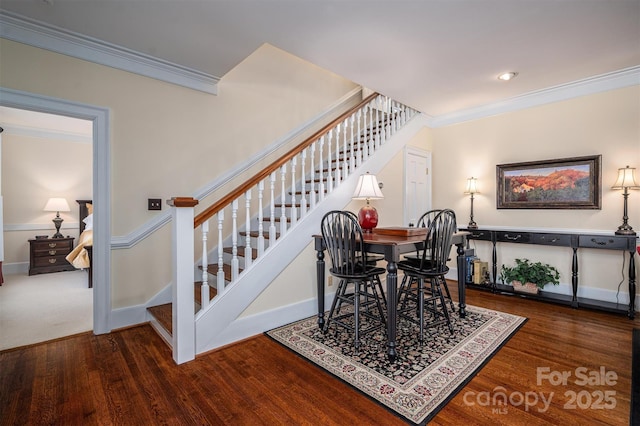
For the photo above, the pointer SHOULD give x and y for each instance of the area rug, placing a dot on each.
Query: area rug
(424, 377)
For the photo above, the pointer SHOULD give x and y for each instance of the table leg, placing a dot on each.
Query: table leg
(632, 285)
(574, 278)
(320, 283)
(392, 290)
(462, 272)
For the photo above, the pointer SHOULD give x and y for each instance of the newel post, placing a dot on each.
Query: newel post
(183, 319)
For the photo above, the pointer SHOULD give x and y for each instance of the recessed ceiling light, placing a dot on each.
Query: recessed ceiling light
(507, 76)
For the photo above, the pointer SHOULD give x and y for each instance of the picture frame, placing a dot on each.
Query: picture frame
(566, 183)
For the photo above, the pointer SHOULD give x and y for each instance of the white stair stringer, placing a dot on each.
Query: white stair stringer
(214, 325)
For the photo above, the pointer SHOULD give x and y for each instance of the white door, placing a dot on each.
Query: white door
(417, 184)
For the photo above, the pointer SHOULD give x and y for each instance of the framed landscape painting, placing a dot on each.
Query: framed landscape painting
(567, 183)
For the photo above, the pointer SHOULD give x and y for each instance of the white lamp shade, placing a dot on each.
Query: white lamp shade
(626, 179)
(57, 205)
(367, 188)
(472, 186)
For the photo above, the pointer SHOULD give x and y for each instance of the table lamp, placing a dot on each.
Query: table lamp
(472, 188)
(626, 181)
(57, 205)
(367, 189)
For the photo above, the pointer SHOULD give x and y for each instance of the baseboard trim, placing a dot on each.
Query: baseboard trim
(598, 294)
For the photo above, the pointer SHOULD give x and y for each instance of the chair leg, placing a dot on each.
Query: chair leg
(378, 304)
(337, 302)
(446, 289)
(356, 313)
(421, 308)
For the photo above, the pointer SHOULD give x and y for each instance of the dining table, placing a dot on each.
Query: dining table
(392, 242)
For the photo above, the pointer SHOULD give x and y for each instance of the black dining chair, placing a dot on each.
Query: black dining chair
(405, 289)
(429, 275)
(359, 284)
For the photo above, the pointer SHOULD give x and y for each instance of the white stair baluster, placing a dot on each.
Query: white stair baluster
(260, 219)
(394, 120)
(283, 200)
(329, 164)
(272, 218)
(383, 126)
(360, 147)
(339, 170)
(204, 289)
(345, 151)
(235, 263)
(378, 138)
(354, 152)
(248, 253)
(372, 133)
(303, 179)
(294, 209)
(322, 177)
(220, 276)
(312, 166)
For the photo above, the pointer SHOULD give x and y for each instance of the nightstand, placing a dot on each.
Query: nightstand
(48, 255)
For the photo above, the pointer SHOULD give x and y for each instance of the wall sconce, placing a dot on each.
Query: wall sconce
(626, 181)
(472, 188)
(367, 189)
(57, 205)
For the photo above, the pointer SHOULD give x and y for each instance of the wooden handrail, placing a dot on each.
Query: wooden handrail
(250, 183)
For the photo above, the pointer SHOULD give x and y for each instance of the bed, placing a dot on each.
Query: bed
(81, 256)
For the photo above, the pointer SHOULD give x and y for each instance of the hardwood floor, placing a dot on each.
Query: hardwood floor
(128, 378)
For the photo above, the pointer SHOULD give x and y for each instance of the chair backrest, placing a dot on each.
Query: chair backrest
(426, 218)
(343, 238)
(438, 241)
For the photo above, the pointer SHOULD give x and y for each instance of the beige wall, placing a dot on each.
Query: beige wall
(168, 140)
(33, 170)
(298, 281)
(605, 123)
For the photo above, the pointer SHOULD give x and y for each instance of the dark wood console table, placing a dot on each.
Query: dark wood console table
(574, 241)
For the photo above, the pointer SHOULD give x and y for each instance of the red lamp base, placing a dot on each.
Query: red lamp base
(368, 218)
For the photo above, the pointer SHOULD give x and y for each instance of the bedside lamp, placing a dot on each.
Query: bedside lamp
(472, 188)
(626, 181)
(57, 205)
(367, 189)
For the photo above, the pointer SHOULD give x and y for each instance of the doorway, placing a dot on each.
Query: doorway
(101, 188)
(417, 184)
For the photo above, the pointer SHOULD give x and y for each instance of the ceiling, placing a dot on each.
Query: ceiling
(437, 56)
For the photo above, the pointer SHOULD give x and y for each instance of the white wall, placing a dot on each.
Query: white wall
(33, 170)
(606, 123)
(171, 141)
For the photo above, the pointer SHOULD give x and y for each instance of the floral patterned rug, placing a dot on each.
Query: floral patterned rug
(424, 377)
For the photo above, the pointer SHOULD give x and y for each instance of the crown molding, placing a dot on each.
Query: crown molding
(588, 86)
(38, 34)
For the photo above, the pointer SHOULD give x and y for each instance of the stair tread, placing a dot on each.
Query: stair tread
(163, 313)
(254, 252)
(212, 268)
(254, 234)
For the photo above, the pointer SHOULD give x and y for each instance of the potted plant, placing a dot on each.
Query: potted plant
(529, 277)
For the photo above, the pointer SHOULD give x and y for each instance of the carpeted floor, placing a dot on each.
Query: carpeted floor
(423, 378)
(38, 308)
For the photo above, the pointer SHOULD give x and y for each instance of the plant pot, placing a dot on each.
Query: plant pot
(530, 288)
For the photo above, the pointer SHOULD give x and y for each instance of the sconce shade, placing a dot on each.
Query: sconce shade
(57, 205)
(472, 186)
(626, 179)
(367, 188)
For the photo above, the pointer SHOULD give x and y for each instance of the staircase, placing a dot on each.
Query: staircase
(262, 225)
